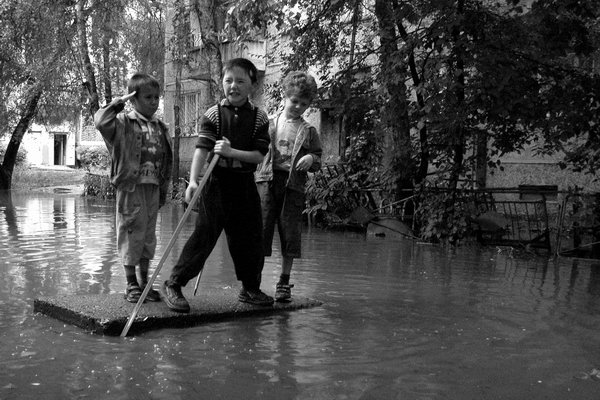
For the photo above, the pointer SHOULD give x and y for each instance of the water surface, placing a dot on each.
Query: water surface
(400, 320)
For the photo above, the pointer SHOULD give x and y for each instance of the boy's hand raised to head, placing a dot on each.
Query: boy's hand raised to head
(119, 102)
(128, 96)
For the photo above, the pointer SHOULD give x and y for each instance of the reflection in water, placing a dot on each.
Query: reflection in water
(399, 320)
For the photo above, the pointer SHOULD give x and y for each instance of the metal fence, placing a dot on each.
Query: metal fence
(534, 216)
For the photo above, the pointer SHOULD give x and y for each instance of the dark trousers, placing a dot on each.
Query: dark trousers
(229, 202)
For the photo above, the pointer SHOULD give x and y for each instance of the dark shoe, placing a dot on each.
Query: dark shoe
(283, 293)
(152, 295)
(255, 296)
(174, 298)
(132, 292)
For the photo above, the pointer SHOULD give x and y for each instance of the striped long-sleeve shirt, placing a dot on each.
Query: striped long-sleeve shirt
(246, 127)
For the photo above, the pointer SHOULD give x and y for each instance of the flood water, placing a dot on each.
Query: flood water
(399, 320)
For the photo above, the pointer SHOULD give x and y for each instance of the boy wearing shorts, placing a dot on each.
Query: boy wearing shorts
(141, 162)
(281, 178)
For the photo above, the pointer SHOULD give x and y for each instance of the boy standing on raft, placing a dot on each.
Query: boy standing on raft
(281, 178)
(141, 161)
(237, 131)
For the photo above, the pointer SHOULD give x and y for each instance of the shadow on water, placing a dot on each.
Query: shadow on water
(400, 320)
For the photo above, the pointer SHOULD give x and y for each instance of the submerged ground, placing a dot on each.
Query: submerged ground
(400, 319)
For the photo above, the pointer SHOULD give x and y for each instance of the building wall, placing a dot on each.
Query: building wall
(539, 173)
(528, 168)
(39, 145)
(194, 81)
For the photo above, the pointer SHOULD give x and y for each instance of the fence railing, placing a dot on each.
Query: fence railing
(538, 216)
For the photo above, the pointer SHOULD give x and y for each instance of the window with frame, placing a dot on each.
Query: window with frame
(189, 114)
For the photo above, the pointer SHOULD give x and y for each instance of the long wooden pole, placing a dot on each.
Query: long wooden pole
(187, 212)
(198, 281)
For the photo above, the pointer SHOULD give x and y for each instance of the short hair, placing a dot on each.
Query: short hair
(139, 80)
(244, 64)
(301, 84)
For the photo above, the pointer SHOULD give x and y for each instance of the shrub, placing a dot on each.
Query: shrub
(96, 185)
(93, 157)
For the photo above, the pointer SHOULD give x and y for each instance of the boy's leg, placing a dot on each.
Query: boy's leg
(209, 225)
(130, 234)
(150, 210)
(270, 214)
(287, 263)
(245, 241)
(283, 289)
(133, 290)
(290, 235)
(290, 225)
(152, 295)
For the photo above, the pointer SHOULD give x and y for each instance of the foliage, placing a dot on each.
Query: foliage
(331, 194)
(93, 157)
(446, 82)
(46, 61)
(337, 193)
(443, 216)
(21, 156)
(98, 185)
(30, 55)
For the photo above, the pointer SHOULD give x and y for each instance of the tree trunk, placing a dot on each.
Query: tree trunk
(347, 86)
(177, 121)
(10, 156)
(423, 166)
(457, 66)
(106, 66)
(207, 17)
(395, 113)
(84, 54)
(481, 159)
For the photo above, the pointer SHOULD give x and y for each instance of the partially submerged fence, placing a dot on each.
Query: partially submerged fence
(533, 216)
(512, 217)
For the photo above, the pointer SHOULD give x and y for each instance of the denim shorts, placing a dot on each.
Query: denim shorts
(281, 207)
(136, 223)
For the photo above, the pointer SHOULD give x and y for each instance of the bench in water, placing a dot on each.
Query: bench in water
(107, 314)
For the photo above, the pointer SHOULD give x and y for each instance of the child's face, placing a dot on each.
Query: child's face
(295, 106)
(146, 101)
(237, 86)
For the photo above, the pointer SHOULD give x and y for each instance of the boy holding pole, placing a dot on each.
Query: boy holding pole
(237, 131)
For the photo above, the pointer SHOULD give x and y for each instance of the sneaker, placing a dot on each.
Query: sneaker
(254, 296)
(283, 292)
(174, 298)
(132, 292)
(152, 295)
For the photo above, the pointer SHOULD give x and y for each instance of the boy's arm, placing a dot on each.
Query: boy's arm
(223, 148)
(105, 118)
(198, 161)
(311, 162)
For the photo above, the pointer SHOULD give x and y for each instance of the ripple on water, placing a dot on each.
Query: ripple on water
(398, 319)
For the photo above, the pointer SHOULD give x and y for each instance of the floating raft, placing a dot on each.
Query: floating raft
(108, 314)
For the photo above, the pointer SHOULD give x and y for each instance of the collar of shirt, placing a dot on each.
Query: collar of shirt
(247, 104)
(137, 115)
